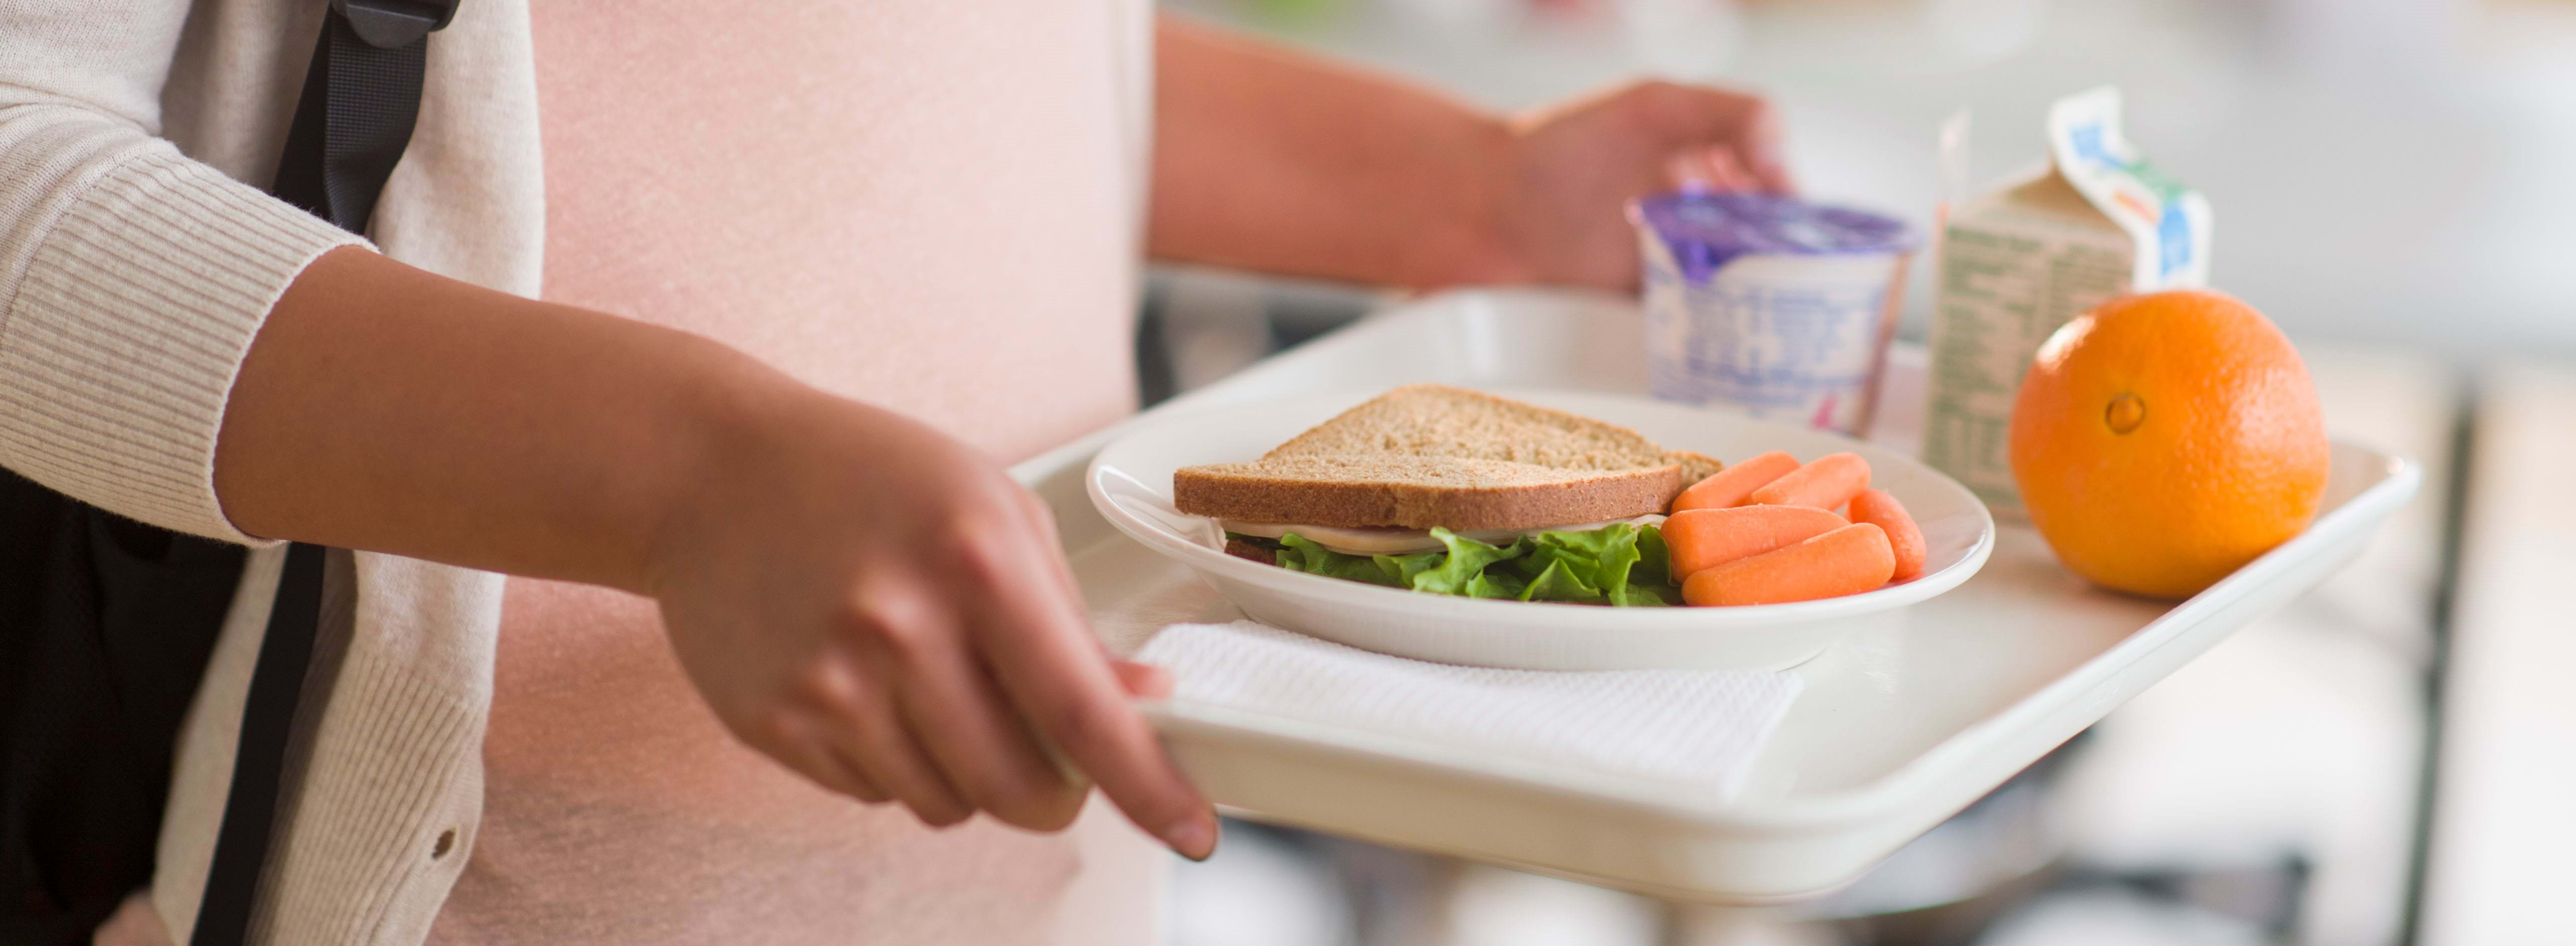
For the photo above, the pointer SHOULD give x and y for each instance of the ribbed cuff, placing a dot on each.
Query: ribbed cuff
(129, 324)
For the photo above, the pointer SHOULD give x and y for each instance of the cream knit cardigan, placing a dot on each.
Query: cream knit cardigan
(136, 264)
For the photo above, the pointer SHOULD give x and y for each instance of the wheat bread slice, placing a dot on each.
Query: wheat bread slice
(1432, 455)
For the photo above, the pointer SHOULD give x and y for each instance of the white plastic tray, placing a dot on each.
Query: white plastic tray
(1898, 727)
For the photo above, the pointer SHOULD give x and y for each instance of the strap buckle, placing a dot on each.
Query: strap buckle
(392, 24)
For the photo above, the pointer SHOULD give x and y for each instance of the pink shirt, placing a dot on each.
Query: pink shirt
(933, 207)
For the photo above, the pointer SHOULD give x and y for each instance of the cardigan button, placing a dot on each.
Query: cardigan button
(446, 843)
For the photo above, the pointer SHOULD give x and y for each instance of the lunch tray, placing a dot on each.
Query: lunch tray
(1897, 729)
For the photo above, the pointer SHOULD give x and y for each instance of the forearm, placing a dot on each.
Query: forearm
(860, 597)
(385, 408)
(1266, 159)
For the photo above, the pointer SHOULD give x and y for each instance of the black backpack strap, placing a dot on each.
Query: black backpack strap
(250, 808)
(361, 98)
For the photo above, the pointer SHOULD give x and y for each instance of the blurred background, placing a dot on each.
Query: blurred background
(2389, 760)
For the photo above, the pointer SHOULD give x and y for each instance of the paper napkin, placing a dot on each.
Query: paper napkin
(1701, 727)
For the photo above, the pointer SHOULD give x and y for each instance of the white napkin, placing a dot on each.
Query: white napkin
(1697, 726)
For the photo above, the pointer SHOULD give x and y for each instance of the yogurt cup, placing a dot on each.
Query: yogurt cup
(1772, 305)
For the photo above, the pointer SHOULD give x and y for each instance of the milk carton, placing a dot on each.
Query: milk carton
(2020, 261)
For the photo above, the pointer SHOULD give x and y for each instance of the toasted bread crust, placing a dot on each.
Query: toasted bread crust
(1695, 466)
(1237, 495)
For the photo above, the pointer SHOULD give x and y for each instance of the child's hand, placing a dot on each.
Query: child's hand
(1569, 171)
(882, 609)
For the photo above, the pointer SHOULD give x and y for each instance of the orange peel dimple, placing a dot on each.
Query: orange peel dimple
(2125, 413)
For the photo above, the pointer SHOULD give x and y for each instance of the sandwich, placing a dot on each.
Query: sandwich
(1449, 491)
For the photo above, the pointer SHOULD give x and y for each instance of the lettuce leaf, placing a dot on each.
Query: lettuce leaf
(1465, 561)
(1558, 582)
(1621, 565)
(1646, 595)
(1495, 584)
(1297, 553)
(1654, 559)
(1598, 560)
(1403, 568)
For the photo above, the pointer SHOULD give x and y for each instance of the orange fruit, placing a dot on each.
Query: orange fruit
(2161, 441)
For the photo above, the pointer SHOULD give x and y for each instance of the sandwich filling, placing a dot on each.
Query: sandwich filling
(1387, 540)
(1621, 564)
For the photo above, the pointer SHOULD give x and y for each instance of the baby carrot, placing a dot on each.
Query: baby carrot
(1707, 538)
(1729, 486)
(1849, 560)
(1876, 507)
(1826, 482)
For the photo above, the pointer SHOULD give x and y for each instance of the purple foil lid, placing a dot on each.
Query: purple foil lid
(1706, 230)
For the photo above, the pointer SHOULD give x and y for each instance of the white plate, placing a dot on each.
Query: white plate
(1130, 482)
